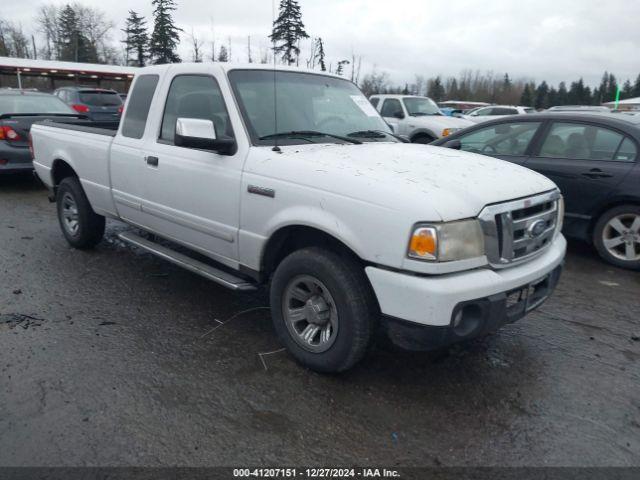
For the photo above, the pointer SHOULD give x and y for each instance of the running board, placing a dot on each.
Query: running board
(223, 278)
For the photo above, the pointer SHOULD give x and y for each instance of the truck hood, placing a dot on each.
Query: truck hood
(431, 183)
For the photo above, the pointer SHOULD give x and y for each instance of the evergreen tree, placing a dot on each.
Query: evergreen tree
(137, 40)
(578, 93)
(74, 45)
(288, 30)
(166, 35)
(341, 64)
(542, 96)
(320, 54)
(563, 95)
(435, 90)
(552, 97)
(223, 55)
(627, 90)
(612, 89)
(527, 96)
(636, 87)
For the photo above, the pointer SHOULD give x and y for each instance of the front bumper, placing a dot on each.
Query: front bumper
(14, 159)
(434, 301)
(473, 318)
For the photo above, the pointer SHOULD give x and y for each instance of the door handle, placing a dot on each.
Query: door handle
(153, 161)
(596, 173)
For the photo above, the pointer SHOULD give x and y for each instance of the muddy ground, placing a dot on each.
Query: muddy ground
(110, 357)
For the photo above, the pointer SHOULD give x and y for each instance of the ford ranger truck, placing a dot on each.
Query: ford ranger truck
(356, 233)
(418, 119)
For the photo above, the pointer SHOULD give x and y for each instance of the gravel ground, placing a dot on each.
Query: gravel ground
(113, 357)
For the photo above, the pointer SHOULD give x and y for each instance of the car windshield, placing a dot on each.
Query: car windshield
(96, 98)
(421, 106)
(310, 109)
(32, 104)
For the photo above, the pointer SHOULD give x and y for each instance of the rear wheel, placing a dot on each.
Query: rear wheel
(324, 310)
(617, 236)
(81, 226)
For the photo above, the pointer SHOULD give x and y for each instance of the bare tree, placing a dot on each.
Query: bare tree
(47, 22)
(197, 47)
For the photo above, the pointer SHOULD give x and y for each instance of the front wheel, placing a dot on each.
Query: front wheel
(81, 226)
(324, 310)
(617, 236)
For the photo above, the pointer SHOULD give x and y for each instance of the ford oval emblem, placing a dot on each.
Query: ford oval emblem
(537, 228)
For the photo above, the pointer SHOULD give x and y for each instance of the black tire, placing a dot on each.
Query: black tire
(628, 213)
(423, 139)
(90, 225)
(356, 307)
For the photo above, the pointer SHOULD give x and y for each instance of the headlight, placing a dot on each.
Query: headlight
(446, 242)
(448, 131)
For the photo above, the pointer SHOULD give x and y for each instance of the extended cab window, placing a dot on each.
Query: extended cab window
(135, 118)
(392, 108)
(194, 96)
(504, 139)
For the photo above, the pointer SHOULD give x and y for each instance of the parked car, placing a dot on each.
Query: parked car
(353, 231)
(579, 108)
(19, 109)
(96, 103)
(417, 118)
(491, 112)
(593, 158)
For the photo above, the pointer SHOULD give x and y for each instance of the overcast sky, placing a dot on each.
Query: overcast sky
(538, 39)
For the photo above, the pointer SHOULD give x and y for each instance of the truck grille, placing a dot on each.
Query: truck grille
(518, 230)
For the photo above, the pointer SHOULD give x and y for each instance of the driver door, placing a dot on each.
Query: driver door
(509, 141)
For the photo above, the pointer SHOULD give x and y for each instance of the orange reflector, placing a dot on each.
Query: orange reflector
(424, 243)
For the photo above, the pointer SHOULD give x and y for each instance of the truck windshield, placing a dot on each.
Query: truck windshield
(421, 106)
(306, 103)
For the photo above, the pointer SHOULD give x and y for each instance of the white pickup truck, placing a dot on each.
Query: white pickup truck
(356, 233)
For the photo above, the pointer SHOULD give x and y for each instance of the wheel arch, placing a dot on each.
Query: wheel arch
(422, 132)
(608, 205)
(290, 238)
(61, 169)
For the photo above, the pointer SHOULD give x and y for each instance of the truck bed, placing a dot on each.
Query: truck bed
(84, 146)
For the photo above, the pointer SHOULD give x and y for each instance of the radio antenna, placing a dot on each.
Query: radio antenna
(276, 148)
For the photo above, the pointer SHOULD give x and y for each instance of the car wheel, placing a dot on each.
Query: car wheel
(423, 139)
(617, 236)
(324, 310)
(81, 226)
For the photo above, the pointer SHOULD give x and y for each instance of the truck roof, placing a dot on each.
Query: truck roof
(227, 67)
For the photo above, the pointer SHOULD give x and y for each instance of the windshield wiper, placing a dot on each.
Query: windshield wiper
(309, 133)
(376, 134)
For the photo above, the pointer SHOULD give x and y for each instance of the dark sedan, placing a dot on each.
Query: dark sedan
(593, 158)
(19, 109)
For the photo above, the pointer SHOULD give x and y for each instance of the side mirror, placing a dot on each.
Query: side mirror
(201, 134)
(390, 126)
(453, 144)
(399, 115)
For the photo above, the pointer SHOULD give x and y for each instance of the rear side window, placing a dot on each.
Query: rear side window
(135, 117)
(375, 102)
(627, 151)
(586, 142)
(97, 98)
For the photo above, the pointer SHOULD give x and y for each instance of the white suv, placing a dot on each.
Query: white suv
(417, 118)
(492, 112)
